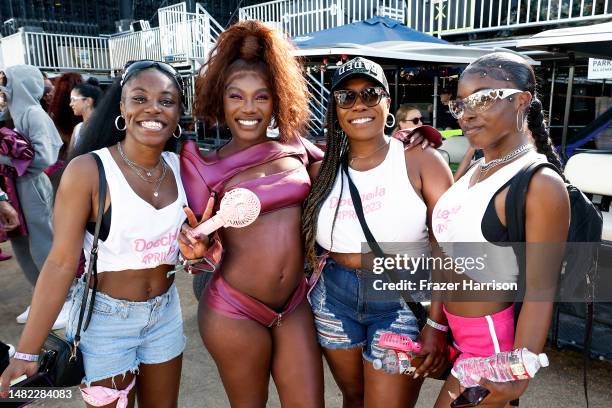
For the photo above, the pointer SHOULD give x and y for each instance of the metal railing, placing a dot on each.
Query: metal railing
(457, 16)
(319, 97)
(134, 46)
(181, 36)
(299, 17)
(56, 51)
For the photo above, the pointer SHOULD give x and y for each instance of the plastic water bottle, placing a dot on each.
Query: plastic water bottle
(400, 357)
(519, 364)
(397, 362)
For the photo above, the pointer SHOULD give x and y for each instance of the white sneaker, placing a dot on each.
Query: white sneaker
(62, 318)
(22, 318)
(60, 322)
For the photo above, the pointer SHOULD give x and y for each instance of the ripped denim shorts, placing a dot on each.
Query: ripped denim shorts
(348, 314)
(123, 334)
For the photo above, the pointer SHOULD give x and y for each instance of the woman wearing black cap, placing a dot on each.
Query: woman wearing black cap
(398, 189)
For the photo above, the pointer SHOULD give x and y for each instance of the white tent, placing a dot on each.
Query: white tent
(590, 40)
(406, 51)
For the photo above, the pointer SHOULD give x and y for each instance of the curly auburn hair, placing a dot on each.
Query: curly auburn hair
(59, 109)
(252, 46)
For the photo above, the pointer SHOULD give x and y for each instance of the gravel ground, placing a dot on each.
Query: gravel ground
(560, 385)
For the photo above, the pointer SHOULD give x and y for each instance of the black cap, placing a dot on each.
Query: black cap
(360, 67)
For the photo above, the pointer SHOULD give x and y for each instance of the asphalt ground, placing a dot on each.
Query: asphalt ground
(559, 385)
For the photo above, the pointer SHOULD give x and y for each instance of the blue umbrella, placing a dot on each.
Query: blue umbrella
(373, 30)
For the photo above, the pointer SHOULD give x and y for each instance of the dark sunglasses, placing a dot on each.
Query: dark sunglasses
(133, 67)
(371, 96)
(414, 121)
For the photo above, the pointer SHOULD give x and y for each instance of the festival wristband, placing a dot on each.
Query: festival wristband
(437, 325)
(26, 357)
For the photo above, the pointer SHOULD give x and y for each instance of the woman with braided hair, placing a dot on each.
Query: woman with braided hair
(398, 188)
(253, 316)
(497, 108)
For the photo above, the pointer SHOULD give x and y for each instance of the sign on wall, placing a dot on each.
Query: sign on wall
(600, 69)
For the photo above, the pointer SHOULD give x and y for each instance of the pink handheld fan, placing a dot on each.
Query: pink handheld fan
(239, 208)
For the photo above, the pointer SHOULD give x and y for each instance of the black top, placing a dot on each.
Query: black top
(104, 227)
(444, 118)
(491, 226)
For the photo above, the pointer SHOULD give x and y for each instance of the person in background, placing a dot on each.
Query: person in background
(48, 92)
(83, 99)
(60, 111)
(22, 86)
(9, 219)
(408, 117)
(444, 119)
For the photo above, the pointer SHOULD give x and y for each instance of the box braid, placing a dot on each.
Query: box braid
(509, 67)
(336, 149)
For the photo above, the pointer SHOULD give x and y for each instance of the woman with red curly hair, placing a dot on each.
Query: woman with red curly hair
(60, 110)
(253, 316)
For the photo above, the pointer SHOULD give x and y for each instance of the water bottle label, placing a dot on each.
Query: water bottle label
(517, 368)
(405, 363)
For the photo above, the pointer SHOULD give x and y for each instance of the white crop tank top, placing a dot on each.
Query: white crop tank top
(140, 236)
(393, 210)
(457, 220)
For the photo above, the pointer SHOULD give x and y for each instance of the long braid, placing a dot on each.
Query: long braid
(539, 131)
(336, 147)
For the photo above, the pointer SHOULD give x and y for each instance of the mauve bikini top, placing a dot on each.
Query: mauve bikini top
(275, 191)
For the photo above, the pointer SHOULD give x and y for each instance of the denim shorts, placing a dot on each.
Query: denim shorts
(122, 334)
(348, 316)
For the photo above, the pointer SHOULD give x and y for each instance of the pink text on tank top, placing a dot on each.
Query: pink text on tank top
(372, 202)
(443, 216)
(156, 250)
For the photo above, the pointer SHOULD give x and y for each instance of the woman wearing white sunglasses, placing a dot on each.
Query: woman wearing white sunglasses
(497, 109)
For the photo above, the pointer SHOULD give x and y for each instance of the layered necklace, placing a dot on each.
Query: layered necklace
(146, 174)
(485, 167)
(369, 154)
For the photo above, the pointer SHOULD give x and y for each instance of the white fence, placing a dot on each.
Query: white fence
(456, 16)
(181, 36)
(56, 51)
(306, 16)
(299, 17)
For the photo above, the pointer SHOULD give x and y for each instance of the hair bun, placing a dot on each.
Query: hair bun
(92, 81)
(250, 48)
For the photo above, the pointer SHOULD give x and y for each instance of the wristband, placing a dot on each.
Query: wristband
(192, 265)
(437, 325)
(3, 196)
(25, 357)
